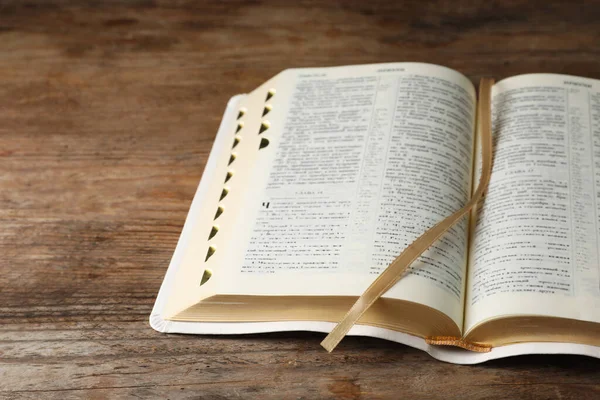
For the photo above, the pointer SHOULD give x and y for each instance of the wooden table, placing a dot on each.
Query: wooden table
(107, 114)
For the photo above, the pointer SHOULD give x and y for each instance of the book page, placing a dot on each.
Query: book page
(535, 248)
(361, 161)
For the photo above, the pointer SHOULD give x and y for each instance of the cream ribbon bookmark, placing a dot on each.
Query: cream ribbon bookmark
(398, 267)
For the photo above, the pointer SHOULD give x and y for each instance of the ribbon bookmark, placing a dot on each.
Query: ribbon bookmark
(398, 267)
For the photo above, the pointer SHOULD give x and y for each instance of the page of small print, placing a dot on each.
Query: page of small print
(535, 248)
(370, 157)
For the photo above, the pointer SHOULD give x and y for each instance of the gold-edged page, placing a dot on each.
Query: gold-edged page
(361, 160)
(211, 242)
(535, 247)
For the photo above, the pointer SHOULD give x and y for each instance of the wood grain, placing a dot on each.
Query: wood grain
(107, 113)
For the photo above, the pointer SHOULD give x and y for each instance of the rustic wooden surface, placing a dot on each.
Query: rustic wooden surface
(107, 114)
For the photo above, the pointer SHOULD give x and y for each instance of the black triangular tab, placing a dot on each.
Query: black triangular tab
(264, 142)
(205, 276)
(218, 213)
(210, 252)
(263, 127)
(224, 193)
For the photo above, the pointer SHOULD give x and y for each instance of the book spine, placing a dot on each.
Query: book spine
(458, 342)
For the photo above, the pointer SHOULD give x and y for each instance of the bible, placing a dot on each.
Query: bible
(321, 177)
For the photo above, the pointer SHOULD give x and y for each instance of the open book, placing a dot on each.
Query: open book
(320, 177)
